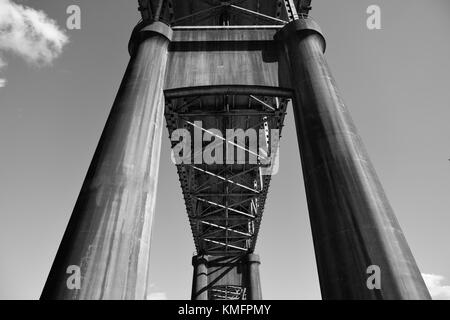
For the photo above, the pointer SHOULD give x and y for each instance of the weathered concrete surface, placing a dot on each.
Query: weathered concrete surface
(254, 281)
(222, 57)
(352, 222)
(200, 281)
(109, 233)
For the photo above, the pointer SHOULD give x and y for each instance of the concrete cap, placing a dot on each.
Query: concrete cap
(253, 258)
(200, 259)
(145, 30)
(302, 27)
(160, 28)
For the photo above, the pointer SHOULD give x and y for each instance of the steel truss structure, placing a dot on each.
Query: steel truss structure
(225, 292)
(225, 200)
(230, 65)
(216, 12)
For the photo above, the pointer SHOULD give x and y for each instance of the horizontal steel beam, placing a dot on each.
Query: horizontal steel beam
(224, 179)
(253, 195)
(182, 28)
(258, 14)
(226, 228)
(262, 102)
(207, 10)
(233, 113)
(225, 140)
(244, 90)
(224, 207)
(199, 13)
(225, 244)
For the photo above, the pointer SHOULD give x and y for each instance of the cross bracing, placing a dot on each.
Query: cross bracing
(225, 200)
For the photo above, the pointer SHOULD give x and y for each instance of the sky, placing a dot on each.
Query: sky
(55, 97)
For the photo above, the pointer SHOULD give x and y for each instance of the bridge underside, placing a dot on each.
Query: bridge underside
(230, 138)
(222, 68)
(218, 12)
(230, 103)
(225, 173)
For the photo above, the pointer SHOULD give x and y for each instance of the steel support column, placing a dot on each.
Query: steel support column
(353, 224)
(200, 281)
(254, 282)
(109, 232)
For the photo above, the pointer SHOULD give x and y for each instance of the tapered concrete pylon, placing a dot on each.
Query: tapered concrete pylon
(200, 281)
(353, 225)
(254, 285)
(108, 236)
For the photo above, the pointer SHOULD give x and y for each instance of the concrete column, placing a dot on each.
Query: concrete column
(200, 281)
(109, 232)
(353, 225)
(254, 282)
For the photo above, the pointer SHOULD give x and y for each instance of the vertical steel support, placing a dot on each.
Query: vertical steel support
(109, 232)
(254, 281)
(353, 224)
(200, 281)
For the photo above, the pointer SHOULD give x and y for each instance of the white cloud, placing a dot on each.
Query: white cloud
(436, 286)
(2, 82)
(157, 296)
(29, 33)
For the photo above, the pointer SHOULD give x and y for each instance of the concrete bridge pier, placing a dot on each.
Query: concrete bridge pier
(353, 224)
(221, 277)
(107, 242)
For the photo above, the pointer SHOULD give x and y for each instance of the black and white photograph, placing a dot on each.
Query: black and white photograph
(198, 150)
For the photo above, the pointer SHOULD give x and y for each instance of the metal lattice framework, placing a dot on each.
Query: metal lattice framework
(225, 201)
(227, 293)
(218, 12)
